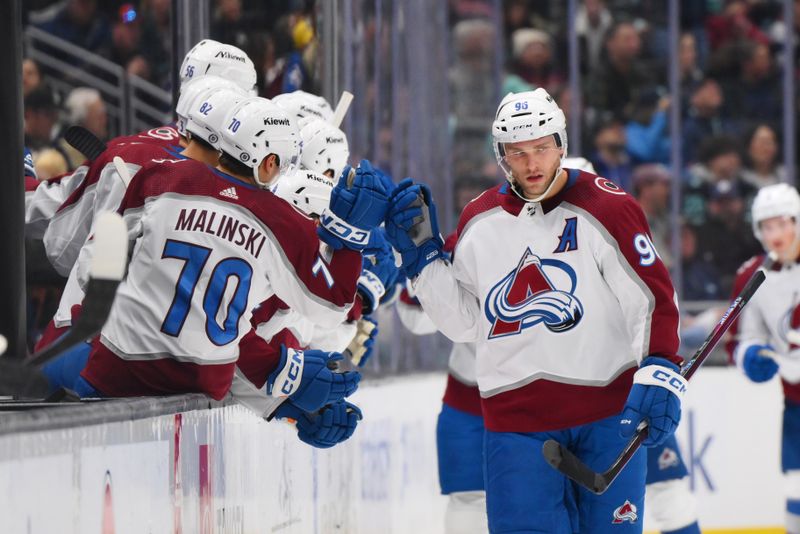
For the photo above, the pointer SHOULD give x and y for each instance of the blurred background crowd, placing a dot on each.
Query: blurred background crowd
(428, 76)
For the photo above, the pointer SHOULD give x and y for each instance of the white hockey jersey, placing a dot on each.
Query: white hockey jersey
(563, 299)
(772, 317)
(208, 248)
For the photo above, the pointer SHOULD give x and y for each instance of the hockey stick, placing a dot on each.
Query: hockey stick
(341, 108)
(106, 271)
(84, 142)
(122, 170)
(563, 460)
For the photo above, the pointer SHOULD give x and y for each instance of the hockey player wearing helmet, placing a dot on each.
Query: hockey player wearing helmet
(766, 337)
(212, 58)
(305, 105)
(555, 279)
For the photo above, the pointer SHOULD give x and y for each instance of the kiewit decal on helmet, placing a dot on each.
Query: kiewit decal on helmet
(523, 117)
(325, 147)
(191, 91)
(207, 114)
(779, 200)
(303, 105)
(256, 128)
(212, 58)
(308, 191)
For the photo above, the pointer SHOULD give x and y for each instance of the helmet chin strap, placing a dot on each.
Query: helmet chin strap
(516, 189)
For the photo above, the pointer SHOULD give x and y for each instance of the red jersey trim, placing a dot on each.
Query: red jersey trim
(462, 396)
(544, 405)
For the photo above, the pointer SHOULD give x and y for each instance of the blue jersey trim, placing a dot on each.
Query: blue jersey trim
(228, 178)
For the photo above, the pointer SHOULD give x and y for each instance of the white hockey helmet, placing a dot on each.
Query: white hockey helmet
(191, 91)
(325, 147)
(582, 164)
(526, 116)
(212, 58)
(303, 105)
(779, 200)
(208, 112)
(256, 128)
(308, 191)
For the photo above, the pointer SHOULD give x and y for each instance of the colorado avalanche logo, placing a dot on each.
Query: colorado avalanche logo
(626, 512)
(527, 296)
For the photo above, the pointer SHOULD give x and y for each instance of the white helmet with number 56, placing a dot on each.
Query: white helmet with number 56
(256, 128)
(212, 58)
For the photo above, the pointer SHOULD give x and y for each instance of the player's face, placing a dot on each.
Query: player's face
(533, 164)
(779, 235)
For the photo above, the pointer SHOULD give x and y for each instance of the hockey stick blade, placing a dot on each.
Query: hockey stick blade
(84, 142)
(106, 272)
(564, 461)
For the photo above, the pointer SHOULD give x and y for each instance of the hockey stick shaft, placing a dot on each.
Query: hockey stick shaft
(106, 271)
(562, 459)
(341, 108)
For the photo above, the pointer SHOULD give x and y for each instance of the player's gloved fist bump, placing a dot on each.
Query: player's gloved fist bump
(358, 204)
(329, 426)
(655, 396)
(413, 228)
(759, 368)
(309, 378)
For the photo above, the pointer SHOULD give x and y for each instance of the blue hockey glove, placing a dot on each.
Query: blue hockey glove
(333, 424)
(379, 271)
(759, 368)
(358, 205)
(360, 348)
(412, 227)
(656, 397)
(309, 379)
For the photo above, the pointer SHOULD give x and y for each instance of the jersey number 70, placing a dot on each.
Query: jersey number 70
(195, 258)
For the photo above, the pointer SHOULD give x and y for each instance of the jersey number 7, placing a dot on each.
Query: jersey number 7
(195, 258)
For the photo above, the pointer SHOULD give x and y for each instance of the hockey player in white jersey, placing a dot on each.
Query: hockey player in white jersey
(538, 277)
(102, 190)
(768, 330)
(211, 243)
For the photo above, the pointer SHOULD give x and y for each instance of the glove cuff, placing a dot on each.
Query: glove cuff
(371, 289)
(352, 236)
(428, 252)
(654, 373)
(289, 374)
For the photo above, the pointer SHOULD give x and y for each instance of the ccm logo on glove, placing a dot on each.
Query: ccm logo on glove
(290, 376)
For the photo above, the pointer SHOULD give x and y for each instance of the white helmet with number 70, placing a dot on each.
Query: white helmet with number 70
(256, 128)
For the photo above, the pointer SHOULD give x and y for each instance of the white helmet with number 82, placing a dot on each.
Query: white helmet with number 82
(526, 116)
(779, 200)
(308, 191)
(325, 147)
(212, 58)
(256, 128)
(208, 112)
